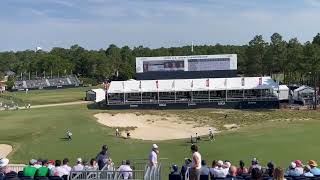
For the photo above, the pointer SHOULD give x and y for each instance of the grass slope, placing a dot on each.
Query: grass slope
(37, 133)
(39, 97)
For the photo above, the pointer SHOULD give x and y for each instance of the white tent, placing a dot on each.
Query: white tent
(205, 84)
(96, 95)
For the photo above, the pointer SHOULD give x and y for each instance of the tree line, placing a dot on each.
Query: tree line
(297, 62)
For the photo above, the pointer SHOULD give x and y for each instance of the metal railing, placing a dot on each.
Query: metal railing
(16, 167)
(107, 175)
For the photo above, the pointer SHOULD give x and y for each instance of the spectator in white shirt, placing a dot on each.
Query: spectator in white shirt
(125, 170)
(219, 171)
(57, 170)
(153, 157)
(66, 167)
(79, 166)
(196, 163)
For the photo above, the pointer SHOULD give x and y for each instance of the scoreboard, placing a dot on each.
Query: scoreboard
(186, 63)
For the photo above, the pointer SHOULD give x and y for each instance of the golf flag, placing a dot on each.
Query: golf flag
(207, 83)
(157, 84)
(260, 80)
(242, 81)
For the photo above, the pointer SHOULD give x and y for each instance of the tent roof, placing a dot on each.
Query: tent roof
(301, 88)
(205, 84)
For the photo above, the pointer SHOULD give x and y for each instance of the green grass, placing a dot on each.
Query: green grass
(39, 97)
(37, 133)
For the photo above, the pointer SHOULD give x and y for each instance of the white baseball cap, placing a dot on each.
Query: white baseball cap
(154, 146)
(4, 162)
(293, 165)
(79, 160)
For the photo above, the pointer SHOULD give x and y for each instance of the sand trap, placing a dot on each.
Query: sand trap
(5, 150)
(152, 127)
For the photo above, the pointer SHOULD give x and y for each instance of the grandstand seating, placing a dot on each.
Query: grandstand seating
(68, 81)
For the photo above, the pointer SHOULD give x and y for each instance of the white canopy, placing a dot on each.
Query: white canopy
(205, 84)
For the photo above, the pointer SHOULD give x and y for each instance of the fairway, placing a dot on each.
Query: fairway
(281, 136)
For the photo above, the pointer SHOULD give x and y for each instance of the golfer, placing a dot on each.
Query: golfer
(69, 135)
(211, 135)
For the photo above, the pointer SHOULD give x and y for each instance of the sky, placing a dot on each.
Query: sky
(95, 24)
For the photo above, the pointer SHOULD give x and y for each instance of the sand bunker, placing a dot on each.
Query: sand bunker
(5, 150)
(152, 127)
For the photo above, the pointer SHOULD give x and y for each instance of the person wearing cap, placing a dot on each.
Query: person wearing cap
(3, 166)
(102, 157)
(307, 172)
(299, 165)
(30, 170)
(153, 157)
(43, 170)
(292, 171)
(313, 165)
(174, 170)
(79, 166)
(218, 171)
(50, 164)
(125, 170)
(185, 167)
(196, 163)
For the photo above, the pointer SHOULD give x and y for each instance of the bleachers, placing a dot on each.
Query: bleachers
(69, 81)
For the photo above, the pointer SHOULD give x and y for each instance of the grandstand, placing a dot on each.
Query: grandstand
(68, 81)
(238, 92)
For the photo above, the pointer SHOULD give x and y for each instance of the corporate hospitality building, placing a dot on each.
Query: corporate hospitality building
(202, 81)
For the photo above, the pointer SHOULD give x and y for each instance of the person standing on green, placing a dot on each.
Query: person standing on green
(43, 170)
(30, 170)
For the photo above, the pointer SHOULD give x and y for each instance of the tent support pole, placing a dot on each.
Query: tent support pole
(209, 94)
(226, 95)
(175, 96)
(141, 97)
(107, 98)
(124, 98)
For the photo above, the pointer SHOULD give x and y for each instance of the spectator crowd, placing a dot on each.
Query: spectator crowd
(59, 170)
(197, 169)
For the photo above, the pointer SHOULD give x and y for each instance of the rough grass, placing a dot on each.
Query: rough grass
(277, 135)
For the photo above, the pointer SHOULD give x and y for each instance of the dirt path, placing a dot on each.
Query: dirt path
(58, 104)
(5, 150)
(152, 127)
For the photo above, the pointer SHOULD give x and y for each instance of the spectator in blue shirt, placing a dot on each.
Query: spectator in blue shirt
(314, 170)
(292, 171)
(307, 172)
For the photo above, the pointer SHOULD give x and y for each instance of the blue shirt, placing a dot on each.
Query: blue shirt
(308, 174)
(315, 171)
(292, 172)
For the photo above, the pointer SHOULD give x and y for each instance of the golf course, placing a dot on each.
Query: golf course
(278, 135)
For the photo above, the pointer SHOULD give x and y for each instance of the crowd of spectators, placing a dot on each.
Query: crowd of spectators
(59, 170)
(226, 170)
